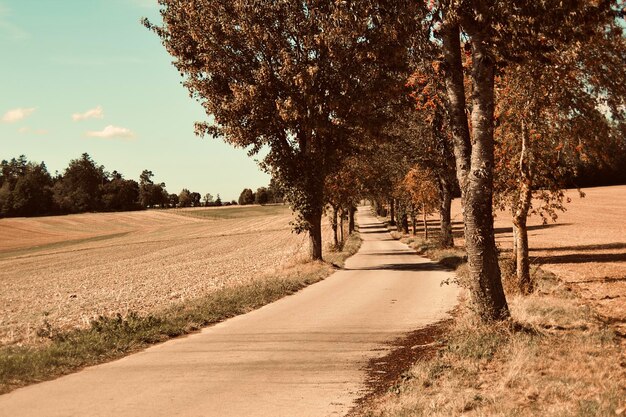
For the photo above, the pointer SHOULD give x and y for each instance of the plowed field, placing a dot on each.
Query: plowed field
(66, 270)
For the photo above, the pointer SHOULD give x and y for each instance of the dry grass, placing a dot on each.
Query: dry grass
(563, 351)
(552, 359)
(586, 247)
(65, 271)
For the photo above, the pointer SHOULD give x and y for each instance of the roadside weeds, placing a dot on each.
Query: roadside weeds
(110, 338)
(552, 358)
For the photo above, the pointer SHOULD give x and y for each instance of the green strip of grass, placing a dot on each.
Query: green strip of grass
(110, 338)
(235, 212)
(57, 245)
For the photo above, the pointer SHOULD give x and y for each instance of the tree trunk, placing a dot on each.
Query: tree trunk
(475, 173)
(425, 221)
(413, 219)
(334, 226)
(520, 218)
(514, 251)
(315, 235)
(392, 212)
(445, 207)
(351, 224)
(342, 214)
(405, 223)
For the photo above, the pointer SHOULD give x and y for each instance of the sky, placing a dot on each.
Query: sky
(85, 76)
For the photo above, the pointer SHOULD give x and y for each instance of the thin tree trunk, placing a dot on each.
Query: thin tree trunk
(405, 223)
(413, 220)
(425, 221)
(351, 224)
(514, 251)
(475, 173)
(341, 216)
(445, 207)
(392, 212)
(334, 227)
(520, 218)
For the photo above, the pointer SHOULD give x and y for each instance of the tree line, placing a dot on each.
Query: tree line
(272, 194)
(407, 102)
(28, 189)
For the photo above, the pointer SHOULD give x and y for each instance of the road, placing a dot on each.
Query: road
(304, 355)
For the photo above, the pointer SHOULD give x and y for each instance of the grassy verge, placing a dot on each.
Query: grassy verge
(553, 358)
(110, 338)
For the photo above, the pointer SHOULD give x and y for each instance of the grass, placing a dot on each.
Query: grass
(235, 212)
(109, 338)
(552, 358)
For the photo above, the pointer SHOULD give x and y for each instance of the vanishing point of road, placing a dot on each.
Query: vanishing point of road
(304, 355)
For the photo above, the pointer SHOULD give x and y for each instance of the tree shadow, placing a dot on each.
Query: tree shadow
(580, 258)
(604, 246)
(500, 230)
(401, 267)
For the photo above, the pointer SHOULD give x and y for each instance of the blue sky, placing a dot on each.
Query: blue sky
(85, 76)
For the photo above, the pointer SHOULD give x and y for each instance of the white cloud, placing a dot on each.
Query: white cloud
(96, 113)
(110, 132)
(15, 115)
(27, 130)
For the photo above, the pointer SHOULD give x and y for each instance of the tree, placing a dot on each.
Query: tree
(261, 196)
(80, 187)
(551, 120)
(184, 198)
(300, 79)
(208, 199)
(495, 34)
(421, 186)
(32, 195)
(276, 194)
(246, 197)
(218, 201)
(195, 199)
(151, 194)
(119, 194)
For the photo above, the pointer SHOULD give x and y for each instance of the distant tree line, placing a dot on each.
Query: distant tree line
(28, 189)
(272, 194)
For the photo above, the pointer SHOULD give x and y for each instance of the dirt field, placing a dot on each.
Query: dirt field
(67, 270)
(586, 247)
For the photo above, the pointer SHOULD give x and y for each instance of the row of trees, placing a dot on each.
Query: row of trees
(405, 102)
(271, 194)
(28, 189)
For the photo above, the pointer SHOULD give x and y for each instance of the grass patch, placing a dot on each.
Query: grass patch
(234, 212)
(109, 338)
(552, 358)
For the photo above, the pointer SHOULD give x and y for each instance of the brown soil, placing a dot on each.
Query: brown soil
(383, 373)
(64, 271)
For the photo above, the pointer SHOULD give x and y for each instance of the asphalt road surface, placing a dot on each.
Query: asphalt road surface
(304, 355)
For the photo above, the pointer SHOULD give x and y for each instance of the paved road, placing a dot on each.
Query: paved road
(301, 356)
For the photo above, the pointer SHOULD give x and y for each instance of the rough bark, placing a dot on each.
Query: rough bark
(455, 90)
(315, 235)
(474, 167)
(520, 217)
(392, 212)
(478, 212)
(351, 224)
(445, 206)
